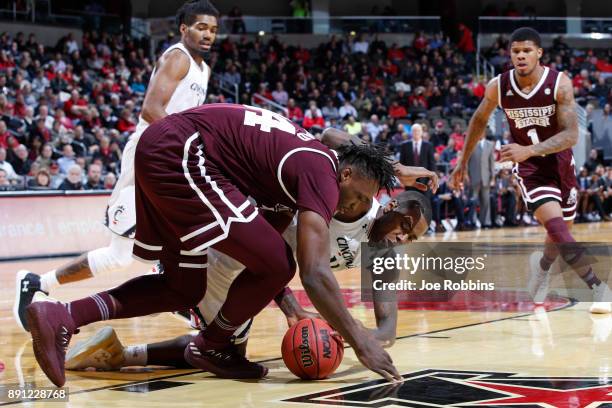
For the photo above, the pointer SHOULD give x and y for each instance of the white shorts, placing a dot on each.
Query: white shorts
(121, 211)
(222, 271)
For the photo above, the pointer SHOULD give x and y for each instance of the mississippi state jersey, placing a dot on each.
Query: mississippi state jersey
(345, 239)
(532, 118)
(190, 91)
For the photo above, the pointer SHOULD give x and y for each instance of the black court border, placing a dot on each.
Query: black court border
(571, 302)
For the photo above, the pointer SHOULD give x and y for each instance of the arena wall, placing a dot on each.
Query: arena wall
(42, 225)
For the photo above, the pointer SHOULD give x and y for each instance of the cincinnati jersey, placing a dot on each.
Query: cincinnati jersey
(532, 118)
(190, 91)
(345, 239)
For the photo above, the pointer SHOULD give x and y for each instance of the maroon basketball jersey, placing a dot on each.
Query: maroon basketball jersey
(267, 156)
(532, 118)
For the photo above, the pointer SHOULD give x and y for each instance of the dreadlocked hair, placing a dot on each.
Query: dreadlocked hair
(370, 161)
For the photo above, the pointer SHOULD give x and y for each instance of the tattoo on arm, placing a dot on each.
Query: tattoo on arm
(568, 122)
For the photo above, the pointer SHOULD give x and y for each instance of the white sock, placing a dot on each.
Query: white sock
(48, 281)
(135, 355)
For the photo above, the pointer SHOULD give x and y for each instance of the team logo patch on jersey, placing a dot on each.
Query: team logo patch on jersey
(573, 196)
(509, 93)
(547, 91)
(449, 388)
(117, 214)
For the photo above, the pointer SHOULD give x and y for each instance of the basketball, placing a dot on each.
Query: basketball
(309, 350)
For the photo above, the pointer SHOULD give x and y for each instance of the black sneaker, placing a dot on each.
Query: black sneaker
(226, 363)
(26, 285)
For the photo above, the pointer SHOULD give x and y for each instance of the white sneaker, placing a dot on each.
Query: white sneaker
(102, 351)
(602, 298)
(537, 286)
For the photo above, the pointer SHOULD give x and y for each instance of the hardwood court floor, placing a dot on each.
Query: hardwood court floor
(447, 357)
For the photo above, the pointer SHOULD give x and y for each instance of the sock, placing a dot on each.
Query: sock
(590, 279)
(218, 333)
(48, 281)
(91, 309)
(135, 355)
(545, 262)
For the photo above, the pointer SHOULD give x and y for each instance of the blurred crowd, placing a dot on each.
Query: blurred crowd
(66, 111)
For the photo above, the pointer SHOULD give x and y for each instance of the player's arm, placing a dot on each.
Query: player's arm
(324, 292)
(385, 309)
(475, 131)
(170, 70)
(568, 122)
(407, 175)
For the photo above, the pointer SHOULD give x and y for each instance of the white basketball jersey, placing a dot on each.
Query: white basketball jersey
(190, 91)
(344, 239)
(344, 243)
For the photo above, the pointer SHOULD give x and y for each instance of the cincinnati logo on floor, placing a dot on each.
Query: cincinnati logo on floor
(450, 388)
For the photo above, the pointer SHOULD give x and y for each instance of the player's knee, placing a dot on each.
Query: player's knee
(558, 231)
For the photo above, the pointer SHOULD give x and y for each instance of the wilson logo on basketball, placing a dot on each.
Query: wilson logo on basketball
(305, 349)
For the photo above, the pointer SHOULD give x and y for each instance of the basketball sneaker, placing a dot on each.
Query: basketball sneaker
(602, 299)
(52, 328)
(226, 363)
(537, 286)
(26, 285)
(102, 351)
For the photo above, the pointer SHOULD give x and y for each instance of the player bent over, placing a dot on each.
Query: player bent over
(402, 220)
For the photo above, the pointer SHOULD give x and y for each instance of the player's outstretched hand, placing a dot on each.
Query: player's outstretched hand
(408, 176)
(515, 153)
(371, 354)
(457, 177)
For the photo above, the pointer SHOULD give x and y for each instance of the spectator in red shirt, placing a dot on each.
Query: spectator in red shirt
(126, 123)
(420, 42)
(313, 117)
(458, 136)
(294, 112)
(396, 111)
(19, 109)
(6, 108)
(75, 106)
(395, 53)
(4, 134)
(466, 42)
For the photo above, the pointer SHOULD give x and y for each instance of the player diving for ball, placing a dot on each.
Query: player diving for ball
(402, 220)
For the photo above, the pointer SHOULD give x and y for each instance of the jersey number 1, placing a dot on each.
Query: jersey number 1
(533, 135)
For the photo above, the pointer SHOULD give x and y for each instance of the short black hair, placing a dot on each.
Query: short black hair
(407, 199)
(371, 161)
(188, 11)
(526, 34)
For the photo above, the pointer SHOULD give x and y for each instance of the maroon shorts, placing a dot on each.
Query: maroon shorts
(543, 183)
(184, 204)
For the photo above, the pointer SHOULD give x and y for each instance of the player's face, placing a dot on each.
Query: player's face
(525, 57)
(356, 192)
(398, 226)
(200, 36)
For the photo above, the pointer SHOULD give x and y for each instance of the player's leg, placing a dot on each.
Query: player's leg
(559, 241)
(117, 256)
(270, 266)
(104, 351)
